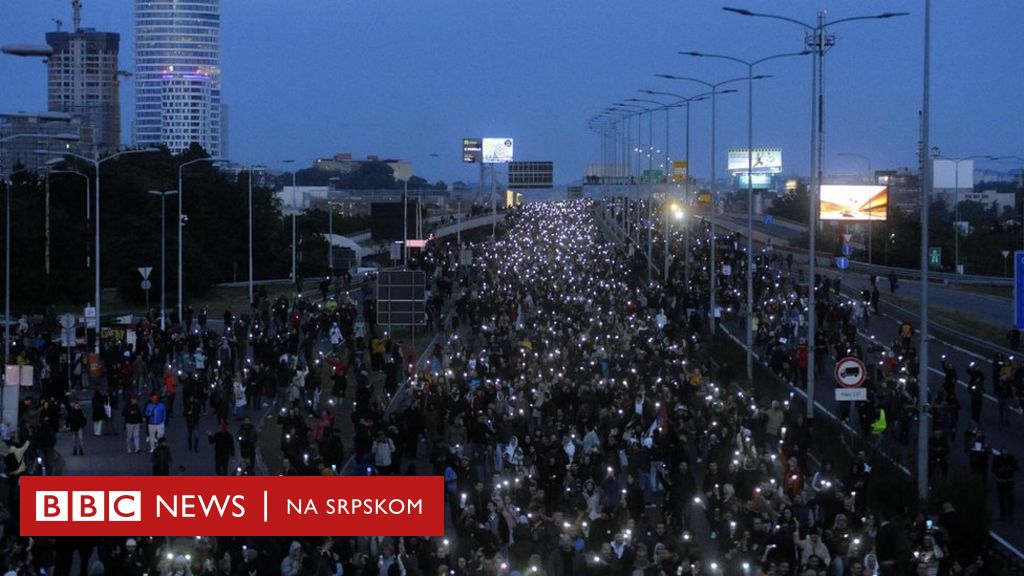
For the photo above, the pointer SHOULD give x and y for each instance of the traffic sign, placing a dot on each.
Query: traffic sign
(847, 237)
(847, 250)
(850, 372)
(842, 262)
(90, 317)
(769, 219)
(851, 394)
(67, 321)
(145, 270)
(146, 284)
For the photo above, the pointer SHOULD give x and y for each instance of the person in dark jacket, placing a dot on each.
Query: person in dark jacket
(1004, 468)
(223, 449)
(76, 423)
(99, 413)
(132, 425)
(161, 458)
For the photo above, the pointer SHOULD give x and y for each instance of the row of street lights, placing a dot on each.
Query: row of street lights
(817, 41)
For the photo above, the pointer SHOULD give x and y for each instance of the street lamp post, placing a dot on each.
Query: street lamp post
(88, 209)
(251, 169)
(181, 229)
(294, 209)
(818, 41)
(7, 272)
(750, 64)
(330, 236)
(714, 196)
(956, 202)
(96, 162)
(686, 101)
(163, 254)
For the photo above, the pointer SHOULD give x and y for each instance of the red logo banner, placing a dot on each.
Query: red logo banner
(232, 506)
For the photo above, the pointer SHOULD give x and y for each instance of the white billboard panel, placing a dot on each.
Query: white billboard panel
(948, 174)
(497, 150)
(843, 202)
(765, 160)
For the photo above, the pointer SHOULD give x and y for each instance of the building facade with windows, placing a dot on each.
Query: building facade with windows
(177, 74)
(82, 80)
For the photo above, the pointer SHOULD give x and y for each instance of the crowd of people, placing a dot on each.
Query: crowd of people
(582, 419)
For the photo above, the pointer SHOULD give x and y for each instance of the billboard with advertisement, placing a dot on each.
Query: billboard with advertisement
(497, 150)
(764, 160)
(678, 170)
(761, 181)
(847, 202)
(472, 150)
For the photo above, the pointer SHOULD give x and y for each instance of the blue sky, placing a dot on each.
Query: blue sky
(410, 78)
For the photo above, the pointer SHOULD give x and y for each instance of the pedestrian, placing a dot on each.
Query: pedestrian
(76, 423)
(1004, 468)
(161, 458)
(1013, 337)
(893, 282)
(1004, 394)
(99, 414)
(156, 420)
(976, 389)
(132, 422)
(193, 412)
(223, 448)
(383, 448)
(247, 441)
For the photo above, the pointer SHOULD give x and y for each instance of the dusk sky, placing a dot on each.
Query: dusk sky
(410, 78)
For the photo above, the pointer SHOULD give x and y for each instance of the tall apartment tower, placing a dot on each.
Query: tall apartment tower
(82, 80)
(177, 74)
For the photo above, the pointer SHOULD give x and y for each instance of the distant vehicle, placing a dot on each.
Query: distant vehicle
(363, 273)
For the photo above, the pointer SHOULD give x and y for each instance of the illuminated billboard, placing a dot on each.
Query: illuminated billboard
(497, 150)
(842, 202)
(761, 181)
(765, 160)
(472, 150)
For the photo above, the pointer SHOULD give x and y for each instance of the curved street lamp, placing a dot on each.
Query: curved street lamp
(750, 64)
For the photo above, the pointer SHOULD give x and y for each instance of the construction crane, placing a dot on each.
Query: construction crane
(59, 23)
(76, 7)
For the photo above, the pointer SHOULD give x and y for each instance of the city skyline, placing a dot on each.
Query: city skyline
(409, 81)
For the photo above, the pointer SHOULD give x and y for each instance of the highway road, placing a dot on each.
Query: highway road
(884, 329)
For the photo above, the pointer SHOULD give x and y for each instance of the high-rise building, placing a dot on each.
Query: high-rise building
(177, 74)
(186, 110)
(82, 80)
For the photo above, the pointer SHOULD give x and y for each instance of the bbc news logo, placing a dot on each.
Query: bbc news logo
(89, 506)
(232, 506)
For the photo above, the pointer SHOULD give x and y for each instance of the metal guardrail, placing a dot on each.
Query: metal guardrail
(866, 268)
(943, 277)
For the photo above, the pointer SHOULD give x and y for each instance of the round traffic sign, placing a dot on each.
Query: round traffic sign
(847, 250)
(67, 321)
(769, 219)
(146, 284)
(842, 262)
(850, 372)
